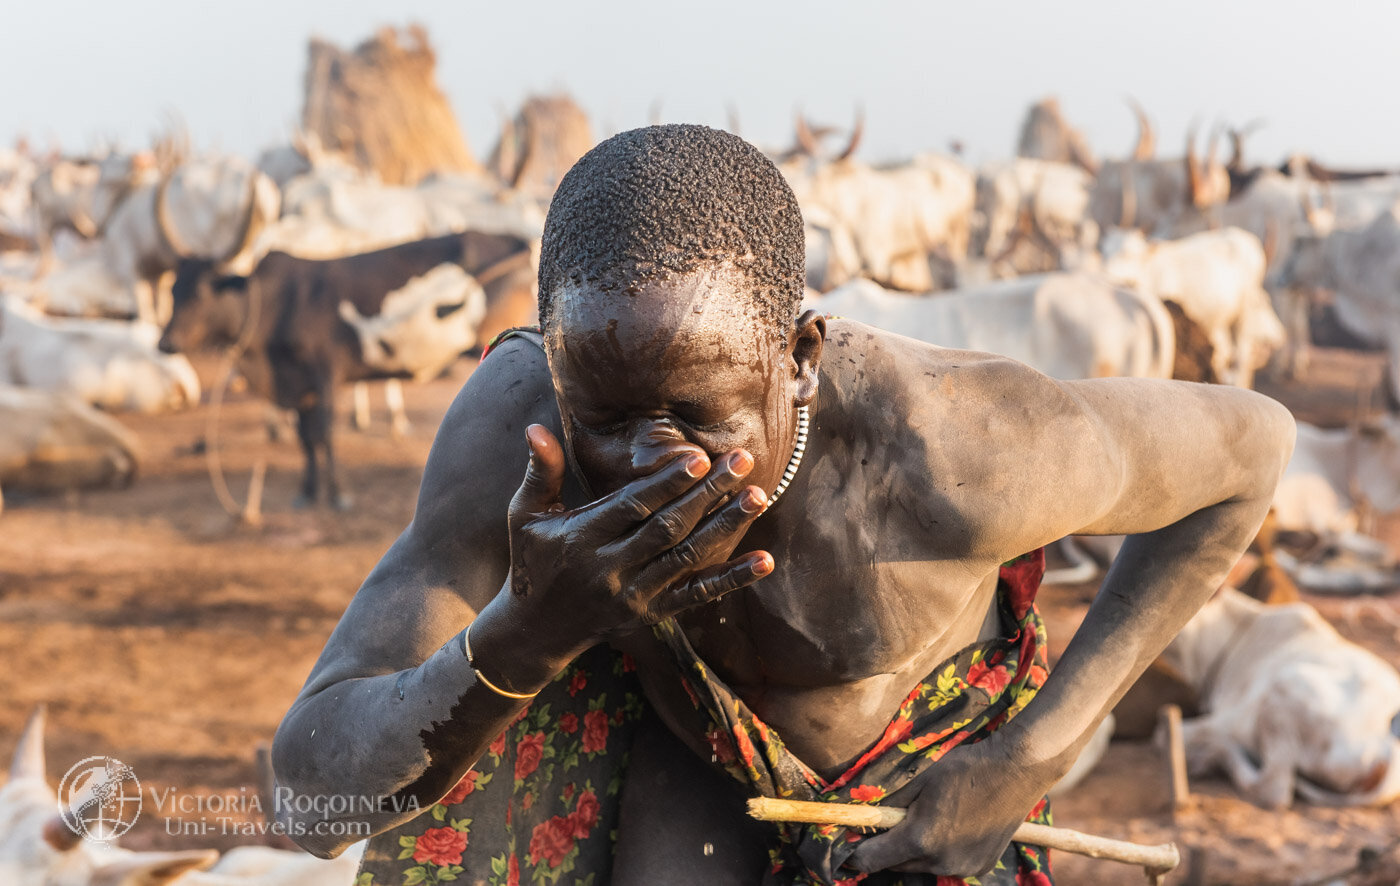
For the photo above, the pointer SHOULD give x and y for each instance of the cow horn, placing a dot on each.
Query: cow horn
(249, 230)
(167, 232)
(856, 132)
(1146, 147)
(1127, 210)
(1195, 190)
(731, 114)
(806, 142)
(1270, 242)
(28, 760)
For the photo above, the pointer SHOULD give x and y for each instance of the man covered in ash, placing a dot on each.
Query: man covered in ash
(753, 552)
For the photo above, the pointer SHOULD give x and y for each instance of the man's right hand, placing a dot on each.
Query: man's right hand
(645, 552)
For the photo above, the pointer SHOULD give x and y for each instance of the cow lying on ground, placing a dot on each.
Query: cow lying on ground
(1068, 326)
(37, 847)
(306, 326)
(111, 364)
(54, 442)
(1288, 705)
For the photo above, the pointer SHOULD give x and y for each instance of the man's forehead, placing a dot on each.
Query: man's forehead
(705, 315)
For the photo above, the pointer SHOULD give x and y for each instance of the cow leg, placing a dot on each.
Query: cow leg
(360, 418)
(324, 409)
(308, 431)
(398, 415)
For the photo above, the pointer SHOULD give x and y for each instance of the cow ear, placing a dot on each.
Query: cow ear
(152, 868)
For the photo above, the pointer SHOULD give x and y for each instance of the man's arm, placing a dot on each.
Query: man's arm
(391, 709)
(393, 714)
(1198, 467)
(1188, 472)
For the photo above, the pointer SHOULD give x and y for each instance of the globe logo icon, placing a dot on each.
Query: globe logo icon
(99, 798)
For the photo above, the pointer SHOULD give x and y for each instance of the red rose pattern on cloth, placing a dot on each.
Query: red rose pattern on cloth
(963, 700)
(541, 805)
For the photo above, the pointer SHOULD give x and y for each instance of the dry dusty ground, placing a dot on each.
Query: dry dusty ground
(159, 633)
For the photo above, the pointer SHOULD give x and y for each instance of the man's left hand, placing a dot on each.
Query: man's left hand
(964, 810)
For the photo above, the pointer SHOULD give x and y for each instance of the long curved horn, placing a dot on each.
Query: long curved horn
(805, 140)
(163, 226)
(1127, 194)
(1194, 184)
(1270, 242)
(248, 230)
(1146, 147)
(28, 760)
(856, 132)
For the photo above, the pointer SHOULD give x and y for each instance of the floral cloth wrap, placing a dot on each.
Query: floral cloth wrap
(541, 804)
(965, 699)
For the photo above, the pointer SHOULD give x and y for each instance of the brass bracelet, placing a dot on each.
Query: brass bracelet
(504, 693)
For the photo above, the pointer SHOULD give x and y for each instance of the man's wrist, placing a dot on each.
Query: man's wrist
(506, 649)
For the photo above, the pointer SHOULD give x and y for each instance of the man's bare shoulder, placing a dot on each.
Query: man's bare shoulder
(892, 381)
(982, 439)
(479, 455)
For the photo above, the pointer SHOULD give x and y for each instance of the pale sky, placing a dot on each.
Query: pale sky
(1322, 75)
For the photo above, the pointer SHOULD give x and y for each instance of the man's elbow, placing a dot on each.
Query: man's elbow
(1279, 431)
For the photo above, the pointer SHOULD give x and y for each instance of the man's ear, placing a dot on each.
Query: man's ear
(808, 336)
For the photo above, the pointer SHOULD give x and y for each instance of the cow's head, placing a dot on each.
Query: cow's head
(37, 847)
(208, 309)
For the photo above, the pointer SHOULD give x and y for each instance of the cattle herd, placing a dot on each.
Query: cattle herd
(309, 273)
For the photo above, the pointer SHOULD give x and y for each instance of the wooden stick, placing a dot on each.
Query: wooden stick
(1159, 858)
(1170, 718)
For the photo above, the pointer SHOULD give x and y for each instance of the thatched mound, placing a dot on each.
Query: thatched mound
(546, 138)
(381, 106)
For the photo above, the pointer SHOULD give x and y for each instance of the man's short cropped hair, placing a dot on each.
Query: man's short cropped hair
(666, 200)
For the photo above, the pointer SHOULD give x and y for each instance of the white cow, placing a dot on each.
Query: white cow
(331, 212)
(1362, 270)
(17, 174)
(1065, 325)
(52, 442)
(1289, 705)
(1052, 197)
(37, 848)
(423, 326)
(1217, 277)
(898, 217)
(1157, 196)
(212, 208)
(111, 364)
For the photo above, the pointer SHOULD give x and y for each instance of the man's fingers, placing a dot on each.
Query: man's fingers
(881, 852)
(674, 523)
(715, 538)
(619, 512)
(711, 584)
(544, 476)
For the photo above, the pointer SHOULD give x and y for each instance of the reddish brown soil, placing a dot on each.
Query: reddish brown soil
(159, 632)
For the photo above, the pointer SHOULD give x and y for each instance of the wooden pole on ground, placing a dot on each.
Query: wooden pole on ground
(1170, 719)
(1157, 860)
